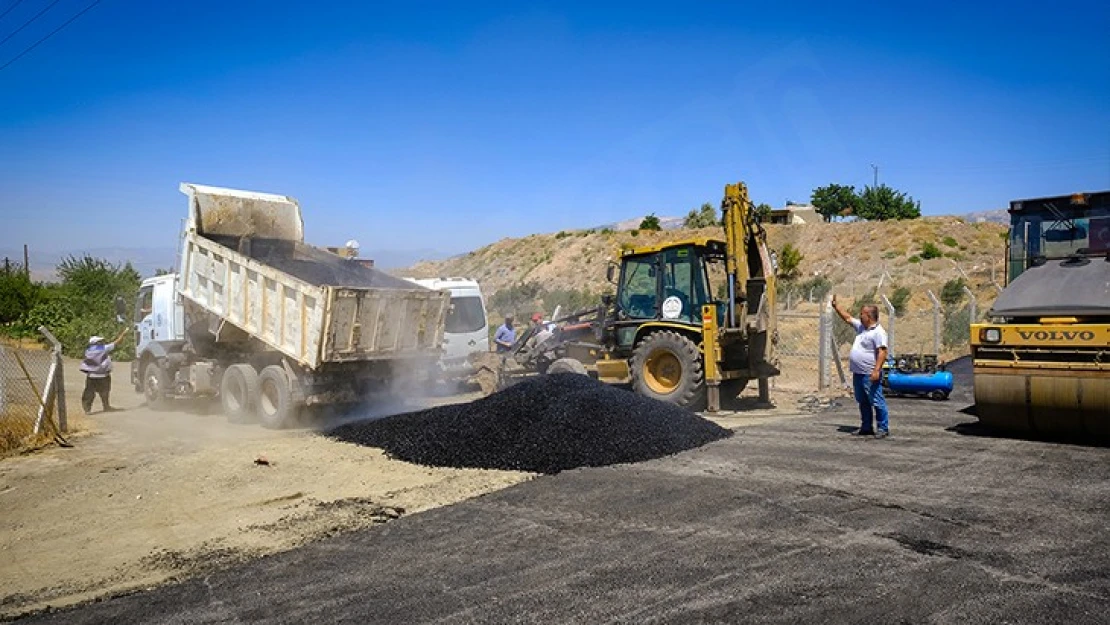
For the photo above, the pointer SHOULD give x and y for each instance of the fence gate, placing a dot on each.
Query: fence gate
(32, 396)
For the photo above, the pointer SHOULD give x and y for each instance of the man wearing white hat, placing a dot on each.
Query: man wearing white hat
(97, 367)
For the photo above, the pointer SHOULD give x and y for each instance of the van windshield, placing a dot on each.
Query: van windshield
(466, 315)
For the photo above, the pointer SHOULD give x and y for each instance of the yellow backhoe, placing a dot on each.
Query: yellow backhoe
(664, 332)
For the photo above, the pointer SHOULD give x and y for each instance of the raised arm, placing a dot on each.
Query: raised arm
(840, 311)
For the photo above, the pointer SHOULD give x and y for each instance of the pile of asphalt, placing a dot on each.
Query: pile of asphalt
(546, 424)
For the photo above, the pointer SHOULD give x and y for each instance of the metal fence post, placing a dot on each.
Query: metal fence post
(59, 380)
(936, 322)
(973, 305)
(890, 329)
(823, 347)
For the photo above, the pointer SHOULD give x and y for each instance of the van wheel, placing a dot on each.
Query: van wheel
(276, 408)
(156, 383)
(239, 393)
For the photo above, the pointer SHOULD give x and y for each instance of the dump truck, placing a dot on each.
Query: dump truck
(269, 324)
(665, 333)
(1041, 363)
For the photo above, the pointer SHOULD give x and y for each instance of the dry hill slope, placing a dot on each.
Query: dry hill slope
(853, 256)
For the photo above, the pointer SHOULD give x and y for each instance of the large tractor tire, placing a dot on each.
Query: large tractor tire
(276, 408)
(239, 393)
(667, 366)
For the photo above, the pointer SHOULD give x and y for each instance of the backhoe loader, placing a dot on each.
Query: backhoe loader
(664, 332)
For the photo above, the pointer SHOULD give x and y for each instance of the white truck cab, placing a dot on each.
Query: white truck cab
(466, 329)
(159, 318)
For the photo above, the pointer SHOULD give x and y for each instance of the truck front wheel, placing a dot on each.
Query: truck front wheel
(276, 408)
(239, 393)
(156, 382)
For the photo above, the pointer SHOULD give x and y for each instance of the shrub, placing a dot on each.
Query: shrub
(957, 328)
(634, 233)
(953, 292)
(899, 298)
(914, 259)
(950, 242)
(929, 250)
(789, 260)
(562, 234)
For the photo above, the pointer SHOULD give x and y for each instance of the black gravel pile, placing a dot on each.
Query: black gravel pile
(546, 424)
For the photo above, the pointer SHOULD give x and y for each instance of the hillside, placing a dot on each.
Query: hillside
(853, 256)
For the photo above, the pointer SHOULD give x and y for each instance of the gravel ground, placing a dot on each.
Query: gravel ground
(785, 522)
(547, 424)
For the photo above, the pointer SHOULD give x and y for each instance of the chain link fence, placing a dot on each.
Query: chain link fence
(798, 349)
(32, 396)
(814, 343)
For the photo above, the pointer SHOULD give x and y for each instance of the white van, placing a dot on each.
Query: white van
(466, 328)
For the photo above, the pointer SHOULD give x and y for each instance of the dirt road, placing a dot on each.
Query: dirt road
(145, 496)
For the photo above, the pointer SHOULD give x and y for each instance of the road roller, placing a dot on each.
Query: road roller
(1041, 362)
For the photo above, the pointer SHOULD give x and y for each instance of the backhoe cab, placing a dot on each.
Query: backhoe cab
(664, 331)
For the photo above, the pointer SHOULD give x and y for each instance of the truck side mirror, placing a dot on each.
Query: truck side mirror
(610, 273)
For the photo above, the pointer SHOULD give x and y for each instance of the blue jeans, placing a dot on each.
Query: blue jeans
(872, 405)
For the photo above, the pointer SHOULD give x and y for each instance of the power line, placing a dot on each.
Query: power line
(28, 22)
(49, 35)
(14, 5)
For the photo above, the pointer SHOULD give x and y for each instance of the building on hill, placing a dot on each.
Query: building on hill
(795, 214)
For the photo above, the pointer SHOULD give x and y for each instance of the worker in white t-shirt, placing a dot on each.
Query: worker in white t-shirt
(869, 352)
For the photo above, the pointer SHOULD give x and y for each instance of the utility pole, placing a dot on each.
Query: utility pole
(876, 168)
(26, 262)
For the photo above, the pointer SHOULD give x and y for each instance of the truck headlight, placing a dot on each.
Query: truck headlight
(990, 335)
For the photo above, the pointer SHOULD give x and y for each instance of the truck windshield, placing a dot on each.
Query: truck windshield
(466, 315)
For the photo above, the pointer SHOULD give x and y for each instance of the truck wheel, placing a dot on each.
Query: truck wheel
(156, 383)
(567, 365)
(239, 393)
(275, 402)
(667, 366)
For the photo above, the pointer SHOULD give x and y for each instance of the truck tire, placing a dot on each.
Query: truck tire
(156, 383)
(667, 366)
(239, 393)
(567, 365)
(276, 408)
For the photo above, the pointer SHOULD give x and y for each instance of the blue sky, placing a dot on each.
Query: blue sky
(448, 126)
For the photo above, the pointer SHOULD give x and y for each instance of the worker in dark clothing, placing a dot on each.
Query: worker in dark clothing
(97, 367)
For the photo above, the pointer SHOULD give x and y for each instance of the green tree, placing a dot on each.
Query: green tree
(835, 200)
(762, 212)
(704, 217)
(651, 222)
(82, 304)
(17, 294)
(790, 259)
(882, 203)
